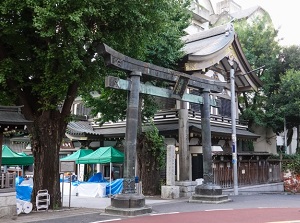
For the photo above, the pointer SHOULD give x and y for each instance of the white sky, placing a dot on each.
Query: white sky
(284, 15)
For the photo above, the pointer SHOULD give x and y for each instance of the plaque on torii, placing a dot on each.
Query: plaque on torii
(180, 81)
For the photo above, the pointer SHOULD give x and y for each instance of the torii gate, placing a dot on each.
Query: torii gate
(181, 81)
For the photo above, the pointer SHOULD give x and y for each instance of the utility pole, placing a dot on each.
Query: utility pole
(233, 122)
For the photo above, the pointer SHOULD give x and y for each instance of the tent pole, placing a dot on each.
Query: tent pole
(110, 179)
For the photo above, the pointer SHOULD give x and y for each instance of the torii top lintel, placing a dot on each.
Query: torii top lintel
(120, 61)
(212, 49)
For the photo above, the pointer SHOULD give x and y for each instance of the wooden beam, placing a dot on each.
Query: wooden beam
(117, 60)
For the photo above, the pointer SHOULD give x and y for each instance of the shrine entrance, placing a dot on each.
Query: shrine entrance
(130, 203)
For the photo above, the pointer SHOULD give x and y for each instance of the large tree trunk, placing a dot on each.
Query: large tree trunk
(47, 133)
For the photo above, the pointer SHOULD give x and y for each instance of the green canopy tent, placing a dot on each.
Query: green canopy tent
(23, 154)
(12, 158)
(103, 155)
(78, 154)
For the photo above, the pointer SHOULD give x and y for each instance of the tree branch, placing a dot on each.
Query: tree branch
(70, 97)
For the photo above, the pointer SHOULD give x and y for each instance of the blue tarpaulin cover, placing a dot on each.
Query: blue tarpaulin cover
(23, 192)
(116, 187)
(98, 177)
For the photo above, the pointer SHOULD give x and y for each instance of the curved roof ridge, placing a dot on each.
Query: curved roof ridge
(218, 30)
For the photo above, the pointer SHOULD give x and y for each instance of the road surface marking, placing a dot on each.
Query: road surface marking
(229, 209)
(164, 213)
(116, 219)
(296, 221)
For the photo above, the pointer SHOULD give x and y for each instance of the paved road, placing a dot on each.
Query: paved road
(225, 216)
(264, 208)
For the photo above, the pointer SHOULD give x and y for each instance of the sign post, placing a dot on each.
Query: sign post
(67, 167)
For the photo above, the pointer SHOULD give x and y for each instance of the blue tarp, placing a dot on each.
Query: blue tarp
(23, 192)
(97, 178)
(19, 180)
(116, 187)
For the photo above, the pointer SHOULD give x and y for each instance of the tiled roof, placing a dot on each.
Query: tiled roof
(211, 49)
(81, 128)
(11, 115)
(166, 128)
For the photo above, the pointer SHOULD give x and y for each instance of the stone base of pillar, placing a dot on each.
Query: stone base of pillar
(128, 205)
(186, 188)
(169, 192)
(209, 193)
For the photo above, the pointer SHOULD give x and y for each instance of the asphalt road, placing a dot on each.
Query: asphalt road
(263, 208)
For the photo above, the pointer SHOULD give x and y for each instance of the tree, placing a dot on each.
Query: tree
(287, 101)
(261, 48)
(47, 57)
(278, 99)
(290, 58)
(112, 104)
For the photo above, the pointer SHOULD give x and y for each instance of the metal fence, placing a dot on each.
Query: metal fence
(250, 172)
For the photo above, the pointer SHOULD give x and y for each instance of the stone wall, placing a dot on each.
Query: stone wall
(8, 204)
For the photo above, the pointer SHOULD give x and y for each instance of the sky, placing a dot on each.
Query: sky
(283, 14)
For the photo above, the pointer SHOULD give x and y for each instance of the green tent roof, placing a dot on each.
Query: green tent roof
(78, 154)
(10, 157)
(103, 155)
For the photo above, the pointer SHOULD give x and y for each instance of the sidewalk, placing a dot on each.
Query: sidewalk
(77, 206)
(101, 203)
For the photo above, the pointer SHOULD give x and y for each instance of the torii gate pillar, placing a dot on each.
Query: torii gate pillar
(129, 203)
(208, 192)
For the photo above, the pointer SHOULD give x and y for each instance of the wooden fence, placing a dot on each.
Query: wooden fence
(7, 180)
(250, 172)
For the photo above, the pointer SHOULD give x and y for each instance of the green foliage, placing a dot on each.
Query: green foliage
(279, 97)
(155, 144)
(290, 58)
(261, 48)
(286, 101)
(291, 163)
(48, 45)
(160, 45)
(151, 159)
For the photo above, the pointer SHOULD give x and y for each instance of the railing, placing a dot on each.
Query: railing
(173, 115)
(7, 180)
(250, 172)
